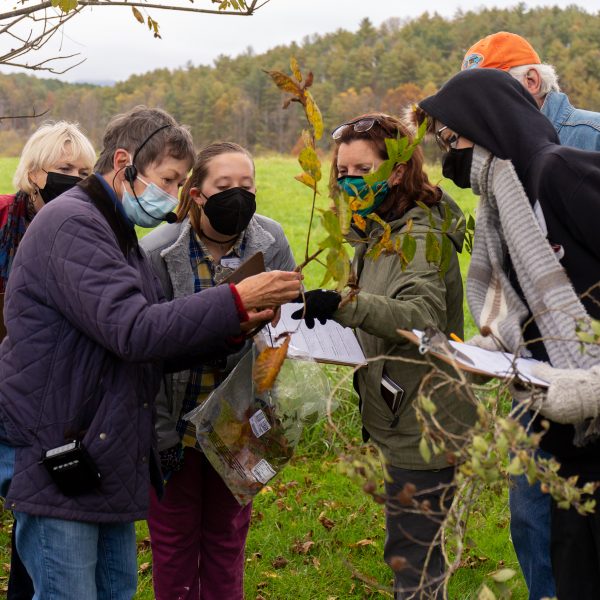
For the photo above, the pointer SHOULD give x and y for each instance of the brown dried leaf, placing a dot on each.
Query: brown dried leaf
(361, 543)
(268, 364)
(144, 567)
(279, 562)
(137, 14)
(326, 522)
(285, 83)
(309, 80)
(300, 547)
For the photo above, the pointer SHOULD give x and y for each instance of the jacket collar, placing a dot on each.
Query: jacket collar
(557, 108)
(177, 255)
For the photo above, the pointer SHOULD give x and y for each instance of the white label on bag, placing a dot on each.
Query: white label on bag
(263, 471)
(259, 423)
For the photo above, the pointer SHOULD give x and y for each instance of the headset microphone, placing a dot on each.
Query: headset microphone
(131, 173)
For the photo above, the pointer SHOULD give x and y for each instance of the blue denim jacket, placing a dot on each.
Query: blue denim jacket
(575, 127)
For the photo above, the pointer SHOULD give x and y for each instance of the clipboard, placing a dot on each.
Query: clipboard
(496, 364)
(2, 326)
(252, 266)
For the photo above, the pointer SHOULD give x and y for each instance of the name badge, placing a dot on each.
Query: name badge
(231, 262)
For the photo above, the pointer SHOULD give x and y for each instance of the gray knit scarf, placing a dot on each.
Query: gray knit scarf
(511, 226)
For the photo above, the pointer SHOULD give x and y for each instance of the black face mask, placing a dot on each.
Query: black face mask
(56, 184)
(230, 211)
(456, 165)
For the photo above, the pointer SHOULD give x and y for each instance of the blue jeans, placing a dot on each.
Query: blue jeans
(530, 532)
(72, 560)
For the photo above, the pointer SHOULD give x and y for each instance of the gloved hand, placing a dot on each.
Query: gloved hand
(573, 395)
(320, 304)
(171, 459)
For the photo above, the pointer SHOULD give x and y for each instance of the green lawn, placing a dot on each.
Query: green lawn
(342, 561)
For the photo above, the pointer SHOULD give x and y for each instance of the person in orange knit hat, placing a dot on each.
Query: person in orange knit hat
(530, 509)
(512, 53)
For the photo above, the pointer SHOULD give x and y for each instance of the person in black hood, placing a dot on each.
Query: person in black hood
(535, 270)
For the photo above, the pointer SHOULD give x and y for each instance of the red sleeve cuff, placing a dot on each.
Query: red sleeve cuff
(239, 305)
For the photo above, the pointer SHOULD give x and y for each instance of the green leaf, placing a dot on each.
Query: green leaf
(432, 249)
(338, 266)
(409, 247)
(381, 174)
(446, 255)
(424, 450)
(331, 224)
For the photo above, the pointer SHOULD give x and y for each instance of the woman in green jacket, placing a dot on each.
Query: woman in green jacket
(395, 296)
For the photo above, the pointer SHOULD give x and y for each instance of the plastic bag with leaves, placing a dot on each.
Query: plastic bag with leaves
(248, 436)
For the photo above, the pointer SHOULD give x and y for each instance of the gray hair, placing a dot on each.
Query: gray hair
(548, 77)
(132, 129)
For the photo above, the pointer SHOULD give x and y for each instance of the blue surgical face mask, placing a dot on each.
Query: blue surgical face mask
(151, 206)
(357, 185)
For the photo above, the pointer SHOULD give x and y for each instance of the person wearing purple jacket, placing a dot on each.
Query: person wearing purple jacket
(89, 336)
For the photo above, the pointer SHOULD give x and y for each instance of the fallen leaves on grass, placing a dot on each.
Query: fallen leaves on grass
(326, 522)
(279, 562)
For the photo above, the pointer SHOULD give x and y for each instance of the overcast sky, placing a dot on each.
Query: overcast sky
(116, 46)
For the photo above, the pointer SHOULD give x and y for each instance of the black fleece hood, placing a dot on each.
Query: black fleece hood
(493, 110)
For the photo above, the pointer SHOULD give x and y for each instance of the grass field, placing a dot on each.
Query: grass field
(287, 514)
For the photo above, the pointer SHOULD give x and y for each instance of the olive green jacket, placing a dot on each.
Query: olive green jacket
(392, 299)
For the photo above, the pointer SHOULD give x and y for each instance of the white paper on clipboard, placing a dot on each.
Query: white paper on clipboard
(502, 365)
(329, 343)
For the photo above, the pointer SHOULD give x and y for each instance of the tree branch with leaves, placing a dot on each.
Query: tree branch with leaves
(29, 26)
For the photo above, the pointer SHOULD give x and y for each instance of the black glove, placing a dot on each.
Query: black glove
(320, 304)
(171, 459)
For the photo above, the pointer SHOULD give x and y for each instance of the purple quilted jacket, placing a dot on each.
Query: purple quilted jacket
(83, 357)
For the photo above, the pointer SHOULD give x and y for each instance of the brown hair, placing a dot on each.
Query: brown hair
(139, 126)
(414, 185)
(187, 206)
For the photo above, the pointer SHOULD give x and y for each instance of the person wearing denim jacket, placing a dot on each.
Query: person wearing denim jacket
(575, 127)
(529, 507)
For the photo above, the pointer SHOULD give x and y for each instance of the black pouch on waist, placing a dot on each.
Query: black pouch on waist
(72, 469)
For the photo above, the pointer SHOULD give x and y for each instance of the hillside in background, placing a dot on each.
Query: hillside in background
(381, 68)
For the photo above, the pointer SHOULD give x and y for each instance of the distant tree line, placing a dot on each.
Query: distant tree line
(381, 68)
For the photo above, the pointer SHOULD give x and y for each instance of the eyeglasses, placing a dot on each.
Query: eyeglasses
(444, 144)
(359, 126)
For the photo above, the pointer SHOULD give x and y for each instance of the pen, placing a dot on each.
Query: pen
(456, 338)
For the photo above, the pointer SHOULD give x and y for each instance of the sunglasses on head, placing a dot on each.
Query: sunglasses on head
(358, 125)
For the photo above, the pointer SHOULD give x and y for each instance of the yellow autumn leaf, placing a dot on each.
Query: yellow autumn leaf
(313, 114)
(267, 366)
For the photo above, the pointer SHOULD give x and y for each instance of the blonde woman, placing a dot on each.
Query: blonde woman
(54, 159)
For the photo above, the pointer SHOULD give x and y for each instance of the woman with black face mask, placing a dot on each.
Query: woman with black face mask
(198, 530)
(53, 160)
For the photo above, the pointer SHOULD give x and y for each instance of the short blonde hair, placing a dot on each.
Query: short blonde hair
(46, 147)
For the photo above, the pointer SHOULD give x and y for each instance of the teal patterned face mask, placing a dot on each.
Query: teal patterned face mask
(354, 185)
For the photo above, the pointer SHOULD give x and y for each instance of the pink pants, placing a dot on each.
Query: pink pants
(198, 533)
